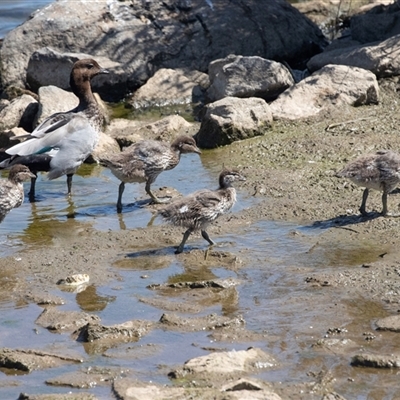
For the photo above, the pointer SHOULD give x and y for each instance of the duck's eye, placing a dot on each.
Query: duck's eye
(90, 66)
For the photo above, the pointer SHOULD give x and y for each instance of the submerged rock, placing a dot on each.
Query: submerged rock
(87, 378)
(376, 361)
(54, 396)
(30, 360)
(391, 323)
(208, 322)
(128, 331)
(215, 283)
(59, 321)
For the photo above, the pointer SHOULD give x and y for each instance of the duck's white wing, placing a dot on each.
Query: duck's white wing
(47, 135)
(74, 148)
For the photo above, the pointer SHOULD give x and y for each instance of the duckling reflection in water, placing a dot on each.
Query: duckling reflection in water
(145, 160)
(197, 210)
(379, 171)
(12, 190)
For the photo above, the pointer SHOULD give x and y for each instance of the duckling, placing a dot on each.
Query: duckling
(379, 171)
(197, 210)
(12, 190)
(145, 160)
(62, 142)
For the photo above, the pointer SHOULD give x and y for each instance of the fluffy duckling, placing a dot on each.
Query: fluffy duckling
(61, 143)
(12, 190)
(145, 160)
(379, 171)
(197, 210)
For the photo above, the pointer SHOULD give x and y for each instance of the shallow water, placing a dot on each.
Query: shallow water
(271, 297)
(14, 12)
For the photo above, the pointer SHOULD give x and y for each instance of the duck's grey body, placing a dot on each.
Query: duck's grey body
(379, 171)
(61, 143)
(197, 210)
(12, 190)
(145, 160)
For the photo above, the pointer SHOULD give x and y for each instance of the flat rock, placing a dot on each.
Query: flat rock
(376, 361)
(231, 362)
(231, 119)
(391, 323)
(128, 331)
(87, 378)
(30, 360)
(215, 283)
(54, 396)
(239, 76)
(208, 322)
(61, 321)
(332, 85)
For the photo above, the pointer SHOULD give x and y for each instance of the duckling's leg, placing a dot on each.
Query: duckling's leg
(155, 199)
(364, 201)
(185, 237)
(205, 236)
(384, 204)
(119, 201)
(69, 183)
(31, 192)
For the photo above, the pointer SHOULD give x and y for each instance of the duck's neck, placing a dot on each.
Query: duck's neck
(84, 93)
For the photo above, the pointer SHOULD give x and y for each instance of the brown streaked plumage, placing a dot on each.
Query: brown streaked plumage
(62, 142)
(379, 171)
(12, 190)
(197, 210)
(145, 160)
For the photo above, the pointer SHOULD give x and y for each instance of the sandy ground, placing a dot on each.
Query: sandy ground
(290, 171)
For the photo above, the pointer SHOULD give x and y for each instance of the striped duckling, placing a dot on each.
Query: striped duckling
(379, 171)
(62, 142)
(197, 210)
(12, 190)
(145, 160)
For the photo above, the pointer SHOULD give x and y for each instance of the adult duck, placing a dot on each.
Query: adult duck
(62, 142)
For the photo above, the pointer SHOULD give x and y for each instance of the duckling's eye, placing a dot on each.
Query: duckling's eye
(90, 66)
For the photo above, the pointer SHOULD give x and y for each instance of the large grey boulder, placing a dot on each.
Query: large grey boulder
(332, 85)
(239, 76)
(168, 87)
(231, 119)
(379, 23)
(48, 67)
(381, 58)
(19, 112)
(146, 36)
(52, 99)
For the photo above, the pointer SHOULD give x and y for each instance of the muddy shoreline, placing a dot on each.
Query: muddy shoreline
(290, 177)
